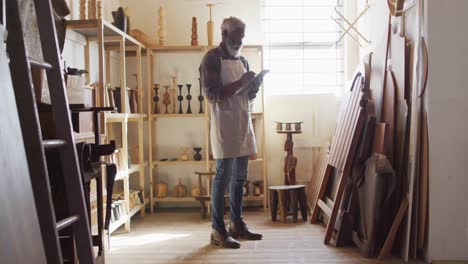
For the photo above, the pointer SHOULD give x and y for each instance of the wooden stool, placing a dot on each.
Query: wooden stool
(205, 196)
(288, 197)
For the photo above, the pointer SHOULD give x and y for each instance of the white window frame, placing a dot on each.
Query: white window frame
(274, 84)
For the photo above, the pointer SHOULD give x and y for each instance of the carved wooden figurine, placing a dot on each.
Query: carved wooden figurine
(174, 94)
(92, 9)
(209, 26)
(290, 162)
(166, 99)
(99, 10)
(194, 32)
(83, 9)
(162, 26)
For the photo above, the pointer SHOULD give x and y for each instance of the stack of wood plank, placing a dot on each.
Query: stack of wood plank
(371, 188)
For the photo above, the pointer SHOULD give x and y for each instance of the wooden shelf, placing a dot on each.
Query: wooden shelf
(192, 199)
(175, 199)
(205, 164)
(156, 116)
(133, 168)
(192, 162)
(253, 198)
(196, 48)
(136, 117)
(114, 226)
(124, 117)
(112, 35)
(179, 162)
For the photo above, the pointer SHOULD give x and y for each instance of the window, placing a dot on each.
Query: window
(300, 47)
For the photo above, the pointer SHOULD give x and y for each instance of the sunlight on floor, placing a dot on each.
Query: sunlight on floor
(124, 242)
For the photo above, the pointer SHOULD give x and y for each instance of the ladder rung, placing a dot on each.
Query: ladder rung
(324, 207)
(54, 143)
(67, 222)
(40, 64)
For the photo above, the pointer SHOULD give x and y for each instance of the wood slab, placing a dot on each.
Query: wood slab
(378, 67)
(317, 177)
(388, 245)
(395, 7)
(380, 138)
(423, 65)
(388, 115)
(424, 181)
(398, 57)
(408, 246)
(347, 134)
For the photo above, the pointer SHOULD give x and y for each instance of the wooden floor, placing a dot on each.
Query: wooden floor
(182, 237)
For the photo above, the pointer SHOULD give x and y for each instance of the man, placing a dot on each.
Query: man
(223, 72)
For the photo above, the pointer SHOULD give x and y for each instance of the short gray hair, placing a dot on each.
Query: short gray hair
(232, 24)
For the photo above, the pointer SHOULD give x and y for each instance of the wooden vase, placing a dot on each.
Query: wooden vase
(195, 192)
(160, 189)
(179, 190)
(166, 99)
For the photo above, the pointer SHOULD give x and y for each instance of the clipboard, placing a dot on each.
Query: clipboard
(246, 87)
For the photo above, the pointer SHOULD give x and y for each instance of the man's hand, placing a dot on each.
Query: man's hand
(246, 78)
(256, 84)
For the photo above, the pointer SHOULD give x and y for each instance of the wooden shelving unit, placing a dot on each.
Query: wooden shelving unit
(111, 39)
(258, 121)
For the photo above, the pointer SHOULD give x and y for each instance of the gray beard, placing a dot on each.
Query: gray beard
(233, 52)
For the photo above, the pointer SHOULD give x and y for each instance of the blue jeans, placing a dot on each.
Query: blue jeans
(233, 170)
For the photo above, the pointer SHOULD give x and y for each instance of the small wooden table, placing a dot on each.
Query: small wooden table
(288, 197)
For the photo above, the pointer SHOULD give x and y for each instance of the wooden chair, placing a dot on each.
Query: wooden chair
(205, 194)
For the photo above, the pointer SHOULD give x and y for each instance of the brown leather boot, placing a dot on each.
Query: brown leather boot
(239, 230)
(221, 237)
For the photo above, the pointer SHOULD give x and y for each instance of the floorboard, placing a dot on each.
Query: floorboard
(182, 237)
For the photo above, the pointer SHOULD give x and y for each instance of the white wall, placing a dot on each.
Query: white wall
(447, 39)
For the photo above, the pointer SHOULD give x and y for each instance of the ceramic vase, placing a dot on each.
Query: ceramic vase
(184, 156)
(197, 155)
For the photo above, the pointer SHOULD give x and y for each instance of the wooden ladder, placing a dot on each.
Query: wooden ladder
(348, 131)
(36, 147)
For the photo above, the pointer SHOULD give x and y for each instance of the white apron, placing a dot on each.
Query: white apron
(232, 132)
